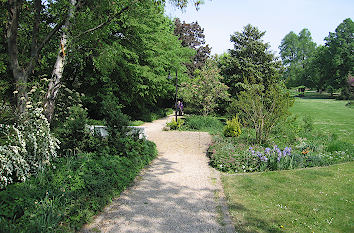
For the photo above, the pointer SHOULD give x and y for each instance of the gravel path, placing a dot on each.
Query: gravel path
(179, 192)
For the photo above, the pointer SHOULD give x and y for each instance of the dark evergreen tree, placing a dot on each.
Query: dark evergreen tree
(249, 62)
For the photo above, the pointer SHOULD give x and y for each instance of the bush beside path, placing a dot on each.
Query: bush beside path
(179, 192)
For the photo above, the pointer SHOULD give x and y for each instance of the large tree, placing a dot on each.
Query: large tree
(294, 51)
(33, 25)
(132, 60)
(192, 36)
(249, 62)
(340, 46)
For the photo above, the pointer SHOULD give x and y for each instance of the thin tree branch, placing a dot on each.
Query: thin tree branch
(109, 20)
(35, 54)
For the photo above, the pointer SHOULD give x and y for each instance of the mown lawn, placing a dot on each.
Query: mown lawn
(304, 200)
(329, 115)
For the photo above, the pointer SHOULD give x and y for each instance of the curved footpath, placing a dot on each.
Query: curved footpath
(178, 192)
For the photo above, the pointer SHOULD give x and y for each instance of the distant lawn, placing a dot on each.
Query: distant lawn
(304, 200)
(330, 116)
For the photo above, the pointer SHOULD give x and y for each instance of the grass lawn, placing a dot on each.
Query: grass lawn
(304, 200)
(329, 115)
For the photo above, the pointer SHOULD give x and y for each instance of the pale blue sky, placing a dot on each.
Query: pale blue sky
(221, 18)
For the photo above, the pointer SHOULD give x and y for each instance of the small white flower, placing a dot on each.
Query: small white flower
(29, 106)
(15, 92)
(22, 98)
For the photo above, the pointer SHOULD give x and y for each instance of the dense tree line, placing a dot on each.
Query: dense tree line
(326, 67)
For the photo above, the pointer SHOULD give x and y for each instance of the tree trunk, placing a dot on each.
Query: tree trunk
(20, 76)
(57, 74)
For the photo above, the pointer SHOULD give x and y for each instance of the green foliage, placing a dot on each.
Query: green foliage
(295, 50)
(337, 145)
(155, 114)
(204, 91)
(340, 46)
(232, 128)
(249, 62)
(203, 123)
(132, 61)
(71, 192)
(136, 123)
(116, 121)
(324, 66)
(175, 125)
(66, 99)
(73, 133)
(262, 109)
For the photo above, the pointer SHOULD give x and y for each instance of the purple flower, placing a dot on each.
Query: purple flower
(279, 152)
(267, 151)
(264, 159)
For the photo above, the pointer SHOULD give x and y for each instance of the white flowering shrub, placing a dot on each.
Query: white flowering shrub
(12, 158)
(30, 147)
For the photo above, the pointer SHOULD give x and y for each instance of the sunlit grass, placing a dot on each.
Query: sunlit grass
(304, 200)
(329, 115)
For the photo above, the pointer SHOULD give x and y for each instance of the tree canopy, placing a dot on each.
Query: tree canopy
(249, 62)
(192, 36)
(294, 51)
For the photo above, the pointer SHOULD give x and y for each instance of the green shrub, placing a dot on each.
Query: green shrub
(72, 132)
(262, 108)
(307, 123)
(72, 191)
(203, 123)
(175, 125)
(232, 128)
